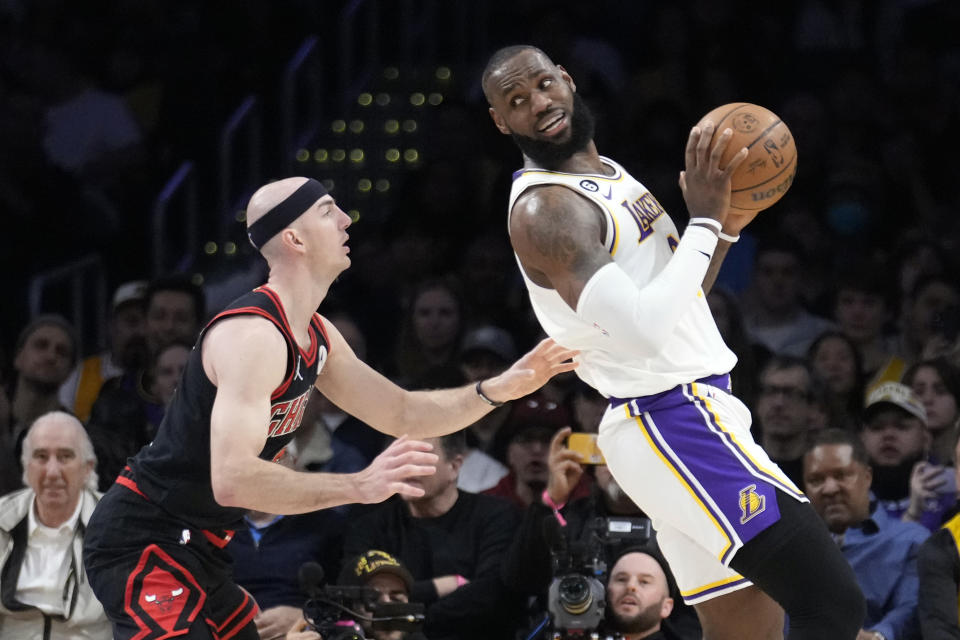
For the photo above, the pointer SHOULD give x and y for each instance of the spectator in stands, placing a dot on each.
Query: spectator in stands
(834, 359)
(432, 330)
(783, 411)
(862, 309)
(930, 316)
(127, 412)
(453, 543)
(881, 550)
(524, 444)
(936, 383)
(175, 308)
(905, 483)
(939, 569)
(127, 351)
(380, 571)
(166, 371)
(43, 591)
(321, 447)
(269, 550)
(776, 317)
(588, 407)
(491, 293)
(486, 351)
(45, 352)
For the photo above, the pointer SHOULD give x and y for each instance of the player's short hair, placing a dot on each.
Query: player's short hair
(499, 57)
(454, 444)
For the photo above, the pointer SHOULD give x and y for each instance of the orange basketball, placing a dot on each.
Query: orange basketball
(771, 163)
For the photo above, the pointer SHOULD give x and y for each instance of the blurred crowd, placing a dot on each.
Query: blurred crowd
(842, 302)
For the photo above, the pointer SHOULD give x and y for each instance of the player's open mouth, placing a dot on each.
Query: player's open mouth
(554, 124)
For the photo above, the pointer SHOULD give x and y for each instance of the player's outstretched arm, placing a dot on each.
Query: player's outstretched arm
(356, 388)
(246, 359)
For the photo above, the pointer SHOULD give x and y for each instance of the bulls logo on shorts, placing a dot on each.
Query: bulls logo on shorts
(162, 596)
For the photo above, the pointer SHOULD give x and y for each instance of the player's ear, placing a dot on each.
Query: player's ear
(566, 78)
(291, 238)
(497, 120)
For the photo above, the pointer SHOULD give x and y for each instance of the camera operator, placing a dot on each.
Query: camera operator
(390, 583)
(528, 566)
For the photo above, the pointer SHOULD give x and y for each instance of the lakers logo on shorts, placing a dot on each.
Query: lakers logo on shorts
(752, 503)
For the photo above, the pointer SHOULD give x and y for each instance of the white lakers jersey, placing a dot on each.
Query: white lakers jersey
(641, 238)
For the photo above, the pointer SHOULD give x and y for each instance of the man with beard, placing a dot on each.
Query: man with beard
(894, 432)
(45, 352)
(639, 594)
(609, 274)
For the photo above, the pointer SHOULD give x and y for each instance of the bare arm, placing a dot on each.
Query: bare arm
(356, 388)
(246, 359)
(719, 254)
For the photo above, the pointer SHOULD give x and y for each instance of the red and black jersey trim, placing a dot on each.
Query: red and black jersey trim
(237, 620)
(310, 355)
(240, 311)
(126, 479)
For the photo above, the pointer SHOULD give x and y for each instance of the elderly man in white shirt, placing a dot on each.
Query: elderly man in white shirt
(44, 593)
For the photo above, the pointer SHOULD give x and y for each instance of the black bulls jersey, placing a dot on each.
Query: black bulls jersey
(174, 470)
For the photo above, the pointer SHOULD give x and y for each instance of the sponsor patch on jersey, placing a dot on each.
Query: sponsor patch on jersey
(589, 185)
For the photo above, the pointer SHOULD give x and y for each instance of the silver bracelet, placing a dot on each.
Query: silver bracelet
(709, 222)
(727, 237)
(483, 396)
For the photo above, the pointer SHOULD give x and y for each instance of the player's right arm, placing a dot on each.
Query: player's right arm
(245, 357)
(558, 237)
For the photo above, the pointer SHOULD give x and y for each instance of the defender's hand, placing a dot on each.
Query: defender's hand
(531, 372)
(705, 184)
(390, 471)
(565, 469)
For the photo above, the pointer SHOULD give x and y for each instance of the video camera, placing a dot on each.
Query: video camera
(331, 609)
(576, 599)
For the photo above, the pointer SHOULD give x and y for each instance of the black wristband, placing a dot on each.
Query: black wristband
(492, 403)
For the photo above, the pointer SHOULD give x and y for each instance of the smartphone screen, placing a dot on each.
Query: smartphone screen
(586, 445)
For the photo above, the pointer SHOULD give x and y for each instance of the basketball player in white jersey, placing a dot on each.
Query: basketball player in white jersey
(609, 274)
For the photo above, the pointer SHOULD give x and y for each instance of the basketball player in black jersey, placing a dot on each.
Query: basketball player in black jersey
(154, 549)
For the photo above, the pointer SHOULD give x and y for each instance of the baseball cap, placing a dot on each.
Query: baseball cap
(532, 413)
(490, 338)
(370, 563)
(133, 291)
(896, 394)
